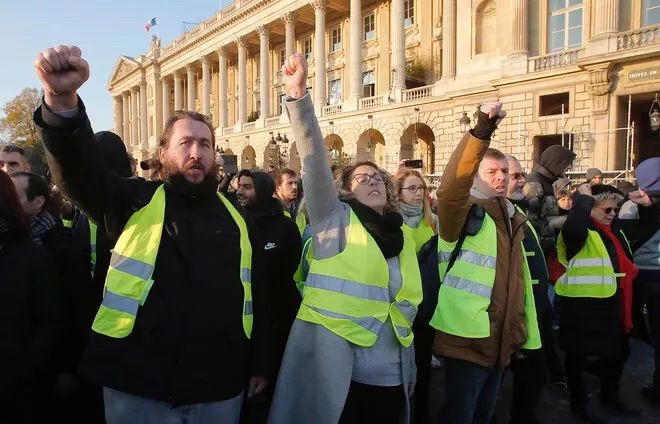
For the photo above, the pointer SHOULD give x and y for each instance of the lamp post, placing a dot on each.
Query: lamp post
(278, 150)
(654, 114)
(464, 122)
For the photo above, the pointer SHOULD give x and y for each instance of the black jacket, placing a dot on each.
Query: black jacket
(188, 345)
(279, 241)
(589, 326)
(30, 307)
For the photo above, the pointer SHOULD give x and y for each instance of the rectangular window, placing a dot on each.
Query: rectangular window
(335, 39)
(565, 23)
(334, 92)
(307, 48)
(368, 84)
(553, 104)
(280, 103)
(369, 32)
(409, 12)
(281, 58)
(651, 12)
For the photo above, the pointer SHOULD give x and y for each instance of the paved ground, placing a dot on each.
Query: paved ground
(555, 407)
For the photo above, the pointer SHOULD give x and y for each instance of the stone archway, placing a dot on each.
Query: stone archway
(335, 147)
(248, 158)
(417, 142)
(371, 146)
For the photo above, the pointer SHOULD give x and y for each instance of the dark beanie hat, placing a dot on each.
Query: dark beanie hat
(593, 173)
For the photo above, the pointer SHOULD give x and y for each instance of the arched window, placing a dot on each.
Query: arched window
(486, 28)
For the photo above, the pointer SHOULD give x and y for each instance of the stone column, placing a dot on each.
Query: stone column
(144, 129)
(166, 99)
(289, 19)
(222, 87)
(134, 116)
(118, 116)
(398, 46)
(264, 72)
(190, 71)
(607, 17)
(448, 39)
(206, 86)
(519, 28)
(355, 38)
(178, 95)
(126, 106)
(320, 80)
(242, 80)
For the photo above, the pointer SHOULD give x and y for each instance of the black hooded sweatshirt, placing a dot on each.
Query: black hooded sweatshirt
(552, 164)
(277, 237)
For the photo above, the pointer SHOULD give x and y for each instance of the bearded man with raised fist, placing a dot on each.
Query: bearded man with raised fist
(180, 332)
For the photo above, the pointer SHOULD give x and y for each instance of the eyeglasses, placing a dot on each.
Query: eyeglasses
(519, 175)
(414, 189)
(364, 179)
(610, 210)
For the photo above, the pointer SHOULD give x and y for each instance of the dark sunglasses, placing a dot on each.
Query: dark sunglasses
(610, 210)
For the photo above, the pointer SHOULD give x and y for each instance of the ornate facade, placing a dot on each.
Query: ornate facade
(391, 79)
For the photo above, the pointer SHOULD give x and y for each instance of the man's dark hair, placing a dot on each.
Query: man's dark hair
(36, 186)
(279, 174)
(12, 148)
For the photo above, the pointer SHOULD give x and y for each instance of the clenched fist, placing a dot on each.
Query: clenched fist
(493, 109)
(294, 73)
(62, 72)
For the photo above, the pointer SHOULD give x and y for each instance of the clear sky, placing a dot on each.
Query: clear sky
(103, 29)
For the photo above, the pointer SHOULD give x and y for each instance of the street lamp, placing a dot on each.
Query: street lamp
(464, 123)
(654, 114)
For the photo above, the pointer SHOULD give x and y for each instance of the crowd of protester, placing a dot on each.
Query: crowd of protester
(200, 295)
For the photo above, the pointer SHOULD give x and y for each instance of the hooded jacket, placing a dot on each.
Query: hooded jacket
(552, 164)
(278, 239)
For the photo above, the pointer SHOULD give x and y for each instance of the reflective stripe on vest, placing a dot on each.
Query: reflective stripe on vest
(353, 300)
(129, 277)
(589, 273)
(466, 289)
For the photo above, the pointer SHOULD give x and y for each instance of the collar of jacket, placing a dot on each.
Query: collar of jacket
(545, 172)
(495, 207)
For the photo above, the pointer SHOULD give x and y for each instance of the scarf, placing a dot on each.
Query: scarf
(385, 228)
(412, 215)
(40, 225)
(623, 265)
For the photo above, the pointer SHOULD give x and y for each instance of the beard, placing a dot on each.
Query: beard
(517, 195)
(177, 178)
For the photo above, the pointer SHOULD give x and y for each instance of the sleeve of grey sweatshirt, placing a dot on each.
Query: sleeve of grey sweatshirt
(328, 216)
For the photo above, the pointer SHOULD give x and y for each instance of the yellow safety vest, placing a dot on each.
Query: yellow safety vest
(538, 242)
(466, 289)
(301, 221)
(589, 273)
(67, 223)
(349, 293)
(132, 264)
(421, 234)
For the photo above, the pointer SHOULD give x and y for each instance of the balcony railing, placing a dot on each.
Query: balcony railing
(248, 126)
(554, 60)
(271, 122)
(417, 93)
(331, 110)
(638, 38)
(228, 130)
(369, 102)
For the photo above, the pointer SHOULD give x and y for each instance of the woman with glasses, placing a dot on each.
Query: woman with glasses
(596, 299)
(414, 207)
(350, 355)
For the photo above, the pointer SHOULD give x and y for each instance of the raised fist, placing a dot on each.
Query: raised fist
(294, 74)
(493, 109)
(62, 72)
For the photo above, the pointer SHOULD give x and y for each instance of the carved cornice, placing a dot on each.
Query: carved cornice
(289, 18)
(319, 4)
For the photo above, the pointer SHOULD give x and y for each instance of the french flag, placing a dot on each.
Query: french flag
(150, 24)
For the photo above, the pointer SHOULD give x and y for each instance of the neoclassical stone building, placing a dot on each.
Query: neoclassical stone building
(400, 79)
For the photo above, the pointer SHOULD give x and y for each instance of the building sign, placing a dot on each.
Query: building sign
(644, 74)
